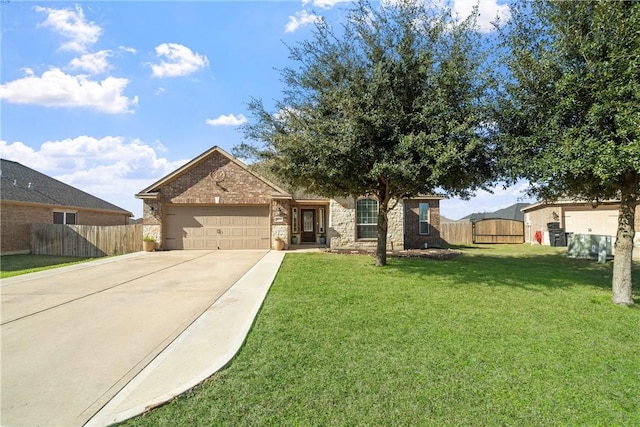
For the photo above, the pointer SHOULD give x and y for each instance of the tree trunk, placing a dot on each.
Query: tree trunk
(622, 285)
(381, 248)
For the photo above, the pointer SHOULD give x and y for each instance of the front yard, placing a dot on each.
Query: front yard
(500, 335)
(15, 265)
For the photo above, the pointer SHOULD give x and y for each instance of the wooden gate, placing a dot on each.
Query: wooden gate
(498, 231)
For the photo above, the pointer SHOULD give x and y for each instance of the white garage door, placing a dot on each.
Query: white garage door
(603, 222)
(217, 227)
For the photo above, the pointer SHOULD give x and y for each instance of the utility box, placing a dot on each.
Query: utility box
(590, 246)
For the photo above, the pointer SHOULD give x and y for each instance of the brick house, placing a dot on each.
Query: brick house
(30, 197)
(578, 217)
(217, 202)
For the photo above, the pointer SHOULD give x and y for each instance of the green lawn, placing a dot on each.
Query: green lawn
(14, 265)
(501, 335)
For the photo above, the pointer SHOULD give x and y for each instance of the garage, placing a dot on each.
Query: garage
(217, 227)
(595, 221)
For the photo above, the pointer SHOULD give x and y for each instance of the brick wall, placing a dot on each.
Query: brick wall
(412, 237)
(216, 180)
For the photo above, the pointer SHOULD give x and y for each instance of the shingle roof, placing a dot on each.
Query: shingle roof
(512, 212)
(22, 184)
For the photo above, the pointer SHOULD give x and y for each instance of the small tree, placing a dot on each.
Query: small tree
(570, 115)
(392, 105)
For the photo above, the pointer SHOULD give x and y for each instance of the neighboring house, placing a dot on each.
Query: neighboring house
(29, 197)
(513, 212)
(574, 217)
(217, 202)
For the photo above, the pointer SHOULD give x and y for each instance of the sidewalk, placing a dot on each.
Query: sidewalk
(205, 347)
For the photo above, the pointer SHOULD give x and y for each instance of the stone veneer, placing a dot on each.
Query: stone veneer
(342, 227)
(280, 231)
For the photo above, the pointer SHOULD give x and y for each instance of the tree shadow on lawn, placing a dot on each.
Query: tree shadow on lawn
(529, 271)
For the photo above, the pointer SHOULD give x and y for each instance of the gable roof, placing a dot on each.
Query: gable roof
(153, 188)
(22, 184)
(513, 212)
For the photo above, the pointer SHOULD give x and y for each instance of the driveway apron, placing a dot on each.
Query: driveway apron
(71, 339)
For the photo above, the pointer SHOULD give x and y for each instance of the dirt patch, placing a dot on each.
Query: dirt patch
(431, 253)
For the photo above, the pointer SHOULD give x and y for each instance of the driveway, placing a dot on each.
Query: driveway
(73, 337)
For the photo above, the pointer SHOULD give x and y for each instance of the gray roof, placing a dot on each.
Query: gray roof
(513, 212)
(22, 184)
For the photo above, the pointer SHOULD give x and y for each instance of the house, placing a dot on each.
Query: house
(513, 212)
(570, 216)
(29, 197)
(217, 202)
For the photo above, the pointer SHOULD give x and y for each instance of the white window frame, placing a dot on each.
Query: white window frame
(373, 223)
(422, 221)
(65, 221)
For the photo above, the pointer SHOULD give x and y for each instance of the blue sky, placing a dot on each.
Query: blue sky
(111, 96)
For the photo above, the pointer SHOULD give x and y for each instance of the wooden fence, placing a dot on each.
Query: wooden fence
(483, 231)
(456, 233)
(498, 231)
(85, 240)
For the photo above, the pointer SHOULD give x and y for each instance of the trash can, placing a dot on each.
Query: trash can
(557, 237)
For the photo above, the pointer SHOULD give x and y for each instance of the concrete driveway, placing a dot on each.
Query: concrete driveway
(73, 337)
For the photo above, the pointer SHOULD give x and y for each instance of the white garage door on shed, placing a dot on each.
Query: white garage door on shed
(217, 227)
(596, 221)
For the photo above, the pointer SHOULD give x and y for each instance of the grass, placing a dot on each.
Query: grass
(14, 265)
(514, 335)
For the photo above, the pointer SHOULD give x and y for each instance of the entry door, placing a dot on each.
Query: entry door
(308, 225)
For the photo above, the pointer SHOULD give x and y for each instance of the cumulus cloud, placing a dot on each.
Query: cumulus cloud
(57, 89)
(228, 120)
(94, 63)
(72, 25)
(488, 11)
(177, 60)
(112, 168)
(300, 19)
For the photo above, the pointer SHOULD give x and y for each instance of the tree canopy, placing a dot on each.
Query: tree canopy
(570, 112)
(391, 104)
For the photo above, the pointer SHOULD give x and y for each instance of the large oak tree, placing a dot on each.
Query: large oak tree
(390, 104)
(571, 108)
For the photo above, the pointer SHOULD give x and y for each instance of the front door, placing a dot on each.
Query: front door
(308, 226)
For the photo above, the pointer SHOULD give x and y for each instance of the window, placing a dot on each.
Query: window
(294, 220)
(64, 217)
(367, 219)
(321, 220)
(424, 218)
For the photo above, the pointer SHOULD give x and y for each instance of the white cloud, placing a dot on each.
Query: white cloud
(229, 120)
(324, 4)
(94, 63)
(57, 89)
(300, 19)
(128, 50)
(488, 10)
(177, 60)
(72, 25)
(112, 168)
